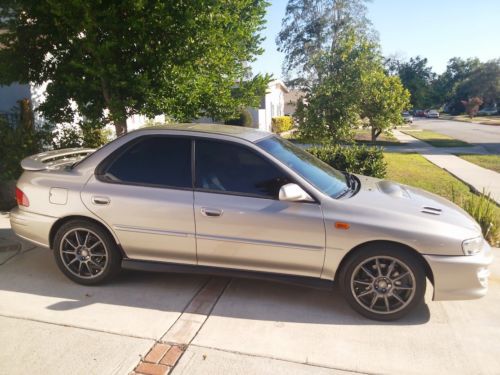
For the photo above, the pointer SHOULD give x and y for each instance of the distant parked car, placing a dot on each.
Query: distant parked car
(432, 114)
(419, 113)
(407, 117)
(488, 111)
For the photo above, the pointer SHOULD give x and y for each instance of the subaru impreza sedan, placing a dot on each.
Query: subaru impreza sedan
(236, 201)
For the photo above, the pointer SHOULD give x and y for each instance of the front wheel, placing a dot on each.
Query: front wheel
(86, 253)
(383, 283)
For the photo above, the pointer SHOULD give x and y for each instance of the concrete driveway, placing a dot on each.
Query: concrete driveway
(50, 325)
(487, 136)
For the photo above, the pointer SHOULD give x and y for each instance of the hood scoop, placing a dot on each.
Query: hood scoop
(393, 189)
(431, 210)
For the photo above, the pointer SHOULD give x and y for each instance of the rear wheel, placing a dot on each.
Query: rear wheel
(86, 253)
(383, 283)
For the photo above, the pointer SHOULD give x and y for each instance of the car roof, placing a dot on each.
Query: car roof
(249, 134)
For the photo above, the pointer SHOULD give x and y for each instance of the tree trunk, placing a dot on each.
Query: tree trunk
(120, 126)
(375, 134)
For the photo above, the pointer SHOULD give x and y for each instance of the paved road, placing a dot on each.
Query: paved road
(487, 136)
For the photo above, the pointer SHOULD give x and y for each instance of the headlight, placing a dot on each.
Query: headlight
(473, 245)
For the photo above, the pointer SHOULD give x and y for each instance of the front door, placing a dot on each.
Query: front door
(240, 223)
(144, 193)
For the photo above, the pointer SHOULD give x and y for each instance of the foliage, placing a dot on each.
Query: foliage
(107, 61)
(311, 28)
(445, 86)
(18, 142)
(334, 101)
(417, 78)
(482, 82)
(67, 136)
(282, 124)
(472, 106)
(384, 100)
(244, 119)
(483, 209)
(368, 161)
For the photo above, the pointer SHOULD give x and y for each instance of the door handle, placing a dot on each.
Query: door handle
(100, 200)
(211, 212)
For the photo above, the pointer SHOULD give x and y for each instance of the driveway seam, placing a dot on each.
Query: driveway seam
(165, 353)
(285, 360)
(77, 327)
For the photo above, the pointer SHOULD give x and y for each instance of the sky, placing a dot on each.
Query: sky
(435, 29)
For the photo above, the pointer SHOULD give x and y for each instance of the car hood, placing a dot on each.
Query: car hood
(406, 202)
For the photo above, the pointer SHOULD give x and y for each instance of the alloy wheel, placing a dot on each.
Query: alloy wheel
(83, 253)
(383, 284)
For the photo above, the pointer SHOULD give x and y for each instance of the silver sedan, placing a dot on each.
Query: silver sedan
(240, 202)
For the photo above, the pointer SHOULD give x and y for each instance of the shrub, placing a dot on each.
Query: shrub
(18, 142)
(368, 161)
(245, 119)
(282, 124)
(482, 208)
(472, 105)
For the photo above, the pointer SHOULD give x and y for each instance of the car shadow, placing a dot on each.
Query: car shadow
(35, 273)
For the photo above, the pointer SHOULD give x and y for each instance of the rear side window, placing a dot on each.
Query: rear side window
(228, 167)
(161, 161)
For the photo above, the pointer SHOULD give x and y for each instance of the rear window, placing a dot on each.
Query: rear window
(158, 161)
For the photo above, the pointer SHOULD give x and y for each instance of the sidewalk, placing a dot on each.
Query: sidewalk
(480, 179)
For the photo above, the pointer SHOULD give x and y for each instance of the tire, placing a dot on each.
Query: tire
(383, 282)
(86, 259)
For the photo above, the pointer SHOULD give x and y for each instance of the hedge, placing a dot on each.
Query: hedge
(368, 161)
(282, 124)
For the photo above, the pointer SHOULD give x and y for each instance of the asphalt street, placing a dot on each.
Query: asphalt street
(487, 136)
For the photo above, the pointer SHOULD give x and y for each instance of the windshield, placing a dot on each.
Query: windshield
(325, 178)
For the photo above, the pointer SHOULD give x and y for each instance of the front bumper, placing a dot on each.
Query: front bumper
(32, 227)
(460, 277)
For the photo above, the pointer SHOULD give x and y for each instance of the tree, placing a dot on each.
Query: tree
(334, 102)
(417, 78)
(311, 28)
(483, 82)
(383, 101)
(109, 60)
(457, 70)
(472, 106)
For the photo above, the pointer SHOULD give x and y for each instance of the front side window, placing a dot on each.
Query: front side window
(231, 168)
(157, 161)
(325, 178)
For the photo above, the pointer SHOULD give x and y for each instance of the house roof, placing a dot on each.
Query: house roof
(249, 134)
(278, 82)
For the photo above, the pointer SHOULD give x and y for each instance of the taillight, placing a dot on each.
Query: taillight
(21, 198)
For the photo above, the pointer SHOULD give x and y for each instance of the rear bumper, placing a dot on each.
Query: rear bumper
(460, 277)
(32, 227)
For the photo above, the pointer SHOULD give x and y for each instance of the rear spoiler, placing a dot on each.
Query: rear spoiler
(54, 159)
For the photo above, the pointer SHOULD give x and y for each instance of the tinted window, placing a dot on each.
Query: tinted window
(162, 161)
(232, 168)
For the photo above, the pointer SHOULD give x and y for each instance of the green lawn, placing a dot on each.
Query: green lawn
(486, 161)
(436, 139)
(415, 170)
(485, 120)
(363, 136)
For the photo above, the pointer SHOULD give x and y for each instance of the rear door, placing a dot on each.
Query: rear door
(241, 223)
(143, 191)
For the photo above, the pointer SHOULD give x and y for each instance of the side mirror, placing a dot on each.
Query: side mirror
(294, 193)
